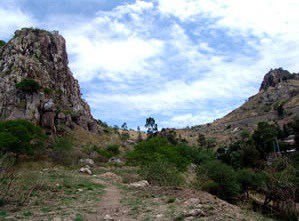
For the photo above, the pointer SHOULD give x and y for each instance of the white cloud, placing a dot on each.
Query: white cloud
(12, 18)
(113, 46)
(184, 61)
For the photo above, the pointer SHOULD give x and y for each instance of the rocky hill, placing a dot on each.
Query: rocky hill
(36, 83)
(277, 101)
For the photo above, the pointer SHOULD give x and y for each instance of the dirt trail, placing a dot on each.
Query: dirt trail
(110, 207)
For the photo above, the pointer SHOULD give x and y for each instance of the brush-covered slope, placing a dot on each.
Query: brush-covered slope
(38, 56)
(277, 101)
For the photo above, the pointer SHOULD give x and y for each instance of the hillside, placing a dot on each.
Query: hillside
(277, 101)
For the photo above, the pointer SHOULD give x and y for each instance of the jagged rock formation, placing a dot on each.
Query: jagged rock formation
(274, 77)
(276, 102)
(41, 56)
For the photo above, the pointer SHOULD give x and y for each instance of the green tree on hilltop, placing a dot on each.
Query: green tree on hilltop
(152, 127)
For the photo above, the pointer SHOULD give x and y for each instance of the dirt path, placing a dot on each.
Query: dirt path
(110, 207)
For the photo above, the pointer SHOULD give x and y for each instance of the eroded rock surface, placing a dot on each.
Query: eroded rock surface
(41, 56)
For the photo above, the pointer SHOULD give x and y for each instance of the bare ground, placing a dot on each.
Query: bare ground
(110, 207)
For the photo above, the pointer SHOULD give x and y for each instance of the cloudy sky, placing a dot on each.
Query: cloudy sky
(183, 62)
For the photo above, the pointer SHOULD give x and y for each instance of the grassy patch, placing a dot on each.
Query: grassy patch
(57, 193)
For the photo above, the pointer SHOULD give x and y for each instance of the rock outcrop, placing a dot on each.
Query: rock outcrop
(274, 77)
(41, 57)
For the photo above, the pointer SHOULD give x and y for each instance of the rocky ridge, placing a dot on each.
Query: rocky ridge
(279, 89)
(41, 56)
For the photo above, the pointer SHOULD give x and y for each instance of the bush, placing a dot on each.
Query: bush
(250, 180)
(48, 90)
(2, 43)
(161, 173)
(28, 85)
(113, 148)
(62, 149)
(195, 155)
(224, 176)
(155, 149)
(20, 137)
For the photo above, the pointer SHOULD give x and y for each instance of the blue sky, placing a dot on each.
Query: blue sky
(183, 62)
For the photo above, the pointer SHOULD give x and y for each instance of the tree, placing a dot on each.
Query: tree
(124, 126)
(265, 138)
(20, 137)
(201, 140)
(170, 135)
(152, 127)
(280, 110)
(125, 134)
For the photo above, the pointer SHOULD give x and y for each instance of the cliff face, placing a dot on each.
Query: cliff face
(41, 56)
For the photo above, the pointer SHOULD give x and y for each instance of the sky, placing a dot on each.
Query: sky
(183, 62)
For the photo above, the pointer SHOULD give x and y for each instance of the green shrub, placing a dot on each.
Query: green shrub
(104, 153)
(20, 137)
(113, 148)
(161, 173)
(62, 149)
(210, 186)
(224, 176)
(249, 180)
(2, 43)
(195, 155)
(154, 149)
(47, 90)
(28, 85)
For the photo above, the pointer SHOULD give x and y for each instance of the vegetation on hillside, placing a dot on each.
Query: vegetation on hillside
(20, 137)
(2, 43)
(28, 85)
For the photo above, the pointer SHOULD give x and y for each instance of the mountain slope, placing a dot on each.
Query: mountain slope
(40, 56)
(276, 102)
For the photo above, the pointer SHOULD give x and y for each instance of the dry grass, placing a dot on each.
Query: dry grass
(36, 195)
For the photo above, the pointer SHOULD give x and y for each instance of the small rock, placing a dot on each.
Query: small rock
(115, 160)
(159, 215)
(108, 217)
(142, 183)
(49, 105)
(80, 190)
(85, 170)
(195, 212)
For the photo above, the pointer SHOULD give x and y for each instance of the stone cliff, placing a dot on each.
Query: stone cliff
(40, 57)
